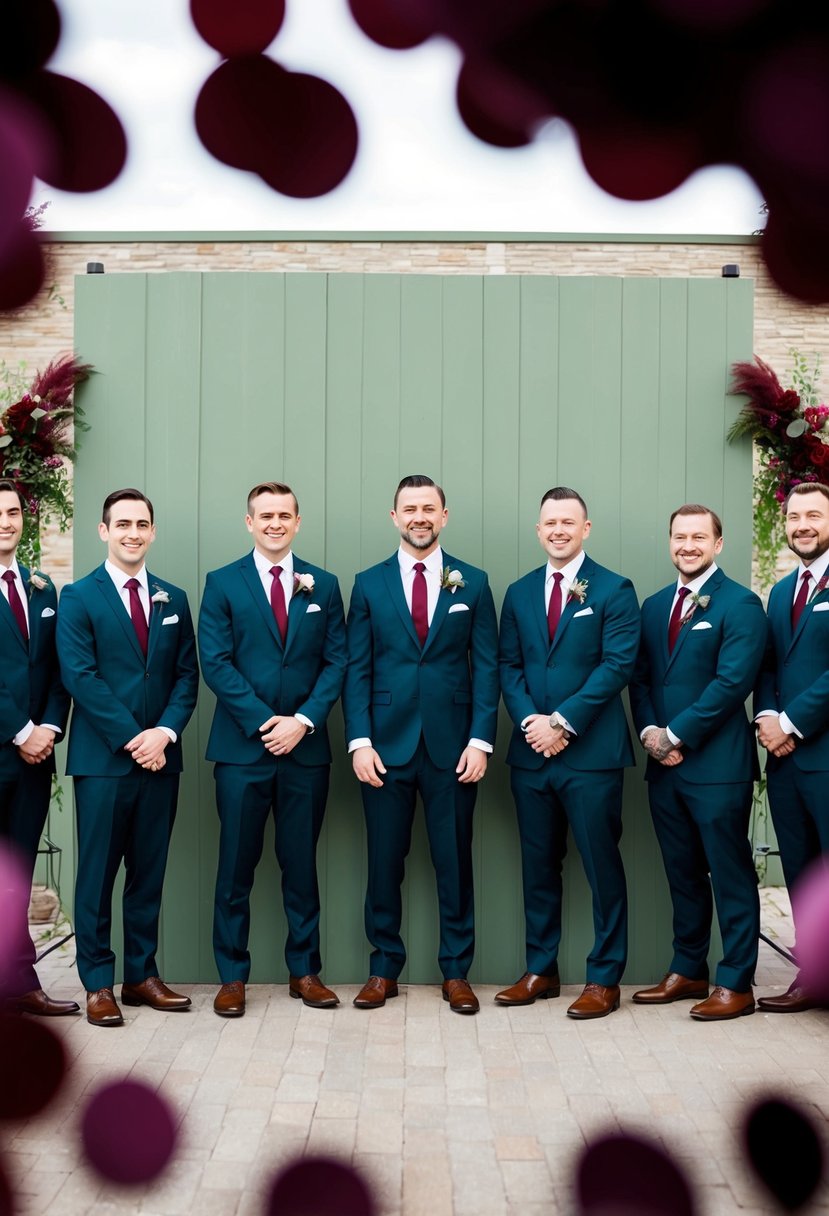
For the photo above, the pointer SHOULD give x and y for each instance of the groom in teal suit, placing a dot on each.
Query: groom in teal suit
(128, 657)
(272, 643)
(791, 704)
(33, 712)
(569, 637)
(420, 702)
(703, 639)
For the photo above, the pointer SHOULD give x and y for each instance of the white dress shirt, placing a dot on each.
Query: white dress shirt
(120, 579)
(263, 569)
(569, 574)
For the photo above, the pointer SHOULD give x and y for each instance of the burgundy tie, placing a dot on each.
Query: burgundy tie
(554, 606)
(800, 601)
(139, 621)
(420, 603)
(15, 603)
(280, 612)
(675, 623)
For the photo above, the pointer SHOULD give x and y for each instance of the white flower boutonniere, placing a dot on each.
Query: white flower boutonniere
(700, 601)
(160, 596)
(38, 581)
(450, 580)
(304, 582)
(578, 590)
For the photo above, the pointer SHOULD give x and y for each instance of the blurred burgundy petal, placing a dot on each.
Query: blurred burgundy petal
(89, 146)
(810, 904)
(624, 1173)
(21, 271)
(15, 886)
(6, 1197)
(29, 33)
(18, 155)
(784, 115)
(313, 142)
(245, 27)
(32, 1064)
(710, 15)
(140, 1155)
(796, 254)
(785, 1150)
(638, 164)
(496, 106)
(318, 1185)
(396, 24)
(235, 109)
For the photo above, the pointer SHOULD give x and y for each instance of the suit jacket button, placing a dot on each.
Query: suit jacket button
(146, 675)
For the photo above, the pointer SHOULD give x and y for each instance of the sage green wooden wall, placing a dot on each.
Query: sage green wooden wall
(499, 387)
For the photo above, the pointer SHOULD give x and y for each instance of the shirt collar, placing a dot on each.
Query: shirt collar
(14, 567)
(569, 571)
(433, 563)
(264, 564)
(696, 584)
(120, 579)
(817, 569)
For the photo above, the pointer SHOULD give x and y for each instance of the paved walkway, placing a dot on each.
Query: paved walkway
(444, 1114)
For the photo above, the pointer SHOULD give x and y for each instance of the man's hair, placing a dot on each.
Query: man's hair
(130, 495)
(417, 481)
(270, 487)
(806, 487)
(695, 508)
(560, 494)
(7, 486)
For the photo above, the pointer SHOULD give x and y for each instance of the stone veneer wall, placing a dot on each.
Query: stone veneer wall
(44, 328)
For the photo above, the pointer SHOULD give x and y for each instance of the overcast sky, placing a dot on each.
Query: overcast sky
(417, 167)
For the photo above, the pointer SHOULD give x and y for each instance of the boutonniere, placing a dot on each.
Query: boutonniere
(160, 596)
(819, 586)
(304, 582)
(38, 581)
(697, 601)
(450, 580)
(578, 590)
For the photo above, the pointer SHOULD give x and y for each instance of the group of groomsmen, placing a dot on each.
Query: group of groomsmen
(420, 668)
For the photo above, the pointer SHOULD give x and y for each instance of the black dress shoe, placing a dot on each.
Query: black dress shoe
(44, 1006)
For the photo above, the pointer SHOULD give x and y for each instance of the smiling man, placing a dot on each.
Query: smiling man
(703, 638)
(791, 703)
(421, 702)
(128, 657)
(272, 644)
(569, 637)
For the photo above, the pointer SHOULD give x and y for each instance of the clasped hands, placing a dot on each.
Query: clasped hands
(773, 738)
(147, 748)
(280, 734)
(39, 745)
(369, 768)
(542, 737)
(657, 743)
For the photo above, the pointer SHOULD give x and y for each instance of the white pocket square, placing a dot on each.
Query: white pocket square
(170, 620)
(313, 608)
(51, 611)
(583, 612)
(459, 608)
(823, 606)
(702, 625)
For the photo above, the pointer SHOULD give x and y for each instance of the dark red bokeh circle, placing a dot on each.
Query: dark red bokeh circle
(245, 27)
(128, 1132)
(32, 1060)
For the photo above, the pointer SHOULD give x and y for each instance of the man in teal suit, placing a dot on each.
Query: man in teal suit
(791, 704)
(128, 657)
(421, 702)
(33, 712)
(272, 642)
(703, 639)
(569, 637)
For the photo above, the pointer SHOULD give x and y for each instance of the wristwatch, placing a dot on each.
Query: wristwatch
(556, 721)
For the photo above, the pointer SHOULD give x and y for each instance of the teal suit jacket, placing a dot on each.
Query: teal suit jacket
(30, 684)
(795, 673)
(700, 689)
(117, 693)
(254, 675)
(580, 674)
(394, 690)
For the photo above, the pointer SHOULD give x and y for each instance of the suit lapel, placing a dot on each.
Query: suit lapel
(391, 574)
(156, 616)
(537, 580)
(112, 597)
(572, 605)
(785, 598)
(444, 603)
(662, 609)
(708, 588)
(298, 606)
(7, 616)
(251, 579)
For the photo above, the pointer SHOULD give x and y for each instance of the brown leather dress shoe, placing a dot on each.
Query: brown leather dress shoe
(460, 996)
(229, 1001)
(102, 1009)
(156, 994)
(723, 1004)
(39, 1003)
(375, 992)
(530, 988)
(311, 991)
(794, 1000)
(673, 987)
(596, 1001)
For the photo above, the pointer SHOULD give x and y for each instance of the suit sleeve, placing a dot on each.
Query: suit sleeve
(14, 713)
(514, 685)
(185, 690)
(221, 676)
(641, 703)
(329, 682)
(358, 676)
(484, 662)
(741, 652)
(621, 630)
(112, 720)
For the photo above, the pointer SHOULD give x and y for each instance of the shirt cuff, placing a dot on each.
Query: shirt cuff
(481, 746)
(645, 730)
(788, 726)
(305, 722)
(675, 739)
(355, 743)
(171, 734)
(23, 734)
